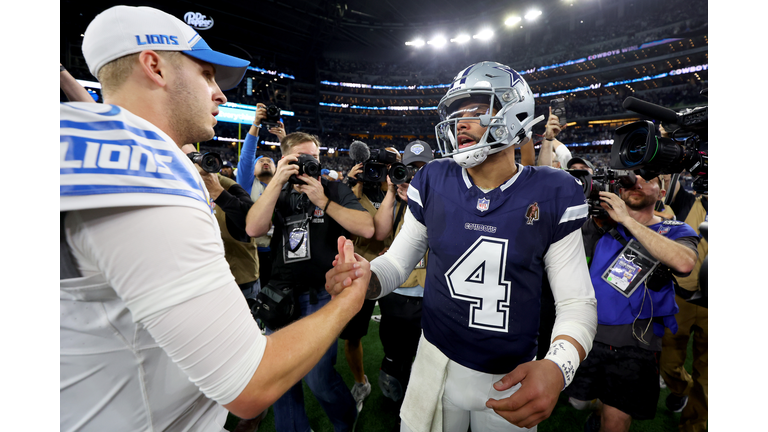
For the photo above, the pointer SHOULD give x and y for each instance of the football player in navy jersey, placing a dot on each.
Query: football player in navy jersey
(493, 228)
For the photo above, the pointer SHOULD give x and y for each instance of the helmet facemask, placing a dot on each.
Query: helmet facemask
(508, 123)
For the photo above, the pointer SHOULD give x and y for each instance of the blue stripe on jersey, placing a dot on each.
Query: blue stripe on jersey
(113, 110)
(109, 125)
(77, 190)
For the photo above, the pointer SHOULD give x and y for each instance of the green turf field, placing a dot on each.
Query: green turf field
(380, 414)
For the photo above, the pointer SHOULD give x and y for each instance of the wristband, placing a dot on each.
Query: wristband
(258, 126)
(326, 206)
(566, 357)
(549, 139)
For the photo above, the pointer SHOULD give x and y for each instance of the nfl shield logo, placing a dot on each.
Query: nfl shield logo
(483, 204)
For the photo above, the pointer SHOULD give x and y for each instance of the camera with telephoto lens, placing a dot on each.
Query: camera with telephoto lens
(209, 162)
(382, 163)
(273, 116)
(638, 148)
(307, 165)
(606, 180)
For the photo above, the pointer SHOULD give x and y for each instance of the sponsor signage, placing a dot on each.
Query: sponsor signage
(198, 21)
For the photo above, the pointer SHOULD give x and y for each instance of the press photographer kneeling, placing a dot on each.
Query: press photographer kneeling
(309, 215)
(632, 255)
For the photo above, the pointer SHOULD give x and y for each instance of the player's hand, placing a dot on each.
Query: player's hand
(348, 268)
(615, 206)
(314, 190)
(278, 130)
(285, 169)
(540, 385)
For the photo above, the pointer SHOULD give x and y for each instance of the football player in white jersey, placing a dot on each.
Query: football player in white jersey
(493, 228)
(155, 333)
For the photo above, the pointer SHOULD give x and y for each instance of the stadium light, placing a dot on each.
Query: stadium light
(512, 20)
(417, 43)
(438, 42)
(532, 15)
(485, 34)
(461, 38)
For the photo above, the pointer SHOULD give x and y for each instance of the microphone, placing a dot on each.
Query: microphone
(650, 109)
(359, 151)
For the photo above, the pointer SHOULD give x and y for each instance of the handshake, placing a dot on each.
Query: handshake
(350, 275)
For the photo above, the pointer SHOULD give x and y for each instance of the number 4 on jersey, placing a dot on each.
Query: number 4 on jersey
(477, 277)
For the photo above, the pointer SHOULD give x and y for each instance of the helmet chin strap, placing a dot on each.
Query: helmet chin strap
(472, 158)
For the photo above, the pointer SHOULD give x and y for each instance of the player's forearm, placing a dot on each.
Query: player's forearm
(678, 257)
(359, 223)
(290, 354)
(575, 304)
(394, 267)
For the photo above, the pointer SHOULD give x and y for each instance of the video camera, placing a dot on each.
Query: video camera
(209, 162)
(307, 165)
(382, 163)
(638, 148)
(606, 180)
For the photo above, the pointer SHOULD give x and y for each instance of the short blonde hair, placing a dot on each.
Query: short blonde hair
(295, 138)
(115, 73)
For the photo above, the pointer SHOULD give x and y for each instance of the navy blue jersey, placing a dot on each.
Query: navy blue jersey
(486, 259)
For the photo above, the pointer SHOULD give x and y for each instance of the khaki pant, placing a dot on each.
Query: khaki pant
(691, 320)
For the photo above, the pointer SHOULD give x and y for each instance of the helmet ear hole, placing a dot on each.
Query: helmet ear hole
(522, 116)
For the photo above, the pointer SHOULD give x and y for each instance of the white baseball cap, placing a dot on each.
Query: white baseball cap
(123, 30)
(334, 175)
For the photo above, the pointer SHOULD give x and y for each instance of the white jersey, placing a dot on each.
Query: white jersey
(154, 332)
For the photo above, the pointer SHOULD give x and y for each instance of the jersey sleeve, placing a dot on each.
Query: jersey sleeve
(571, 207)
(415, 195)
(168, 267)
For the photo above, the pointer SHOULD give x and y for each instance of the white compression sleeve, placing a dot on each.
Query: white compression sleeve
(152, 258)
(410, 245)
(575, 304)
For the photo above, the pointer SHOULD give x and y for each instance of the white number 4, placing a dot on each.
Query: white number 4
(477, 277)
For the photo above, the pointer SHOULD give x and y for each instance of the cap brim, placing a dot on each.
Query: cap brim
(229, 69)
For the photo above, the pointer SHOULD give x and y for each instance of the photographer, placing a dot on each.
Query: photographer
(308, 219)
(628, 252)
(688, 393)
(247, 175)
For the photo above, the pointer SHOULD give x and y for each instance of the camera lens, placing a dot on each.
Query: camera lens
(635, 147)
(399, 173)
(373, 174)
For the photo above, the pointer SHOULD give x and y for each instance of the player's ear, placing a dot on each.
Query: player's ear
(150, 66)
